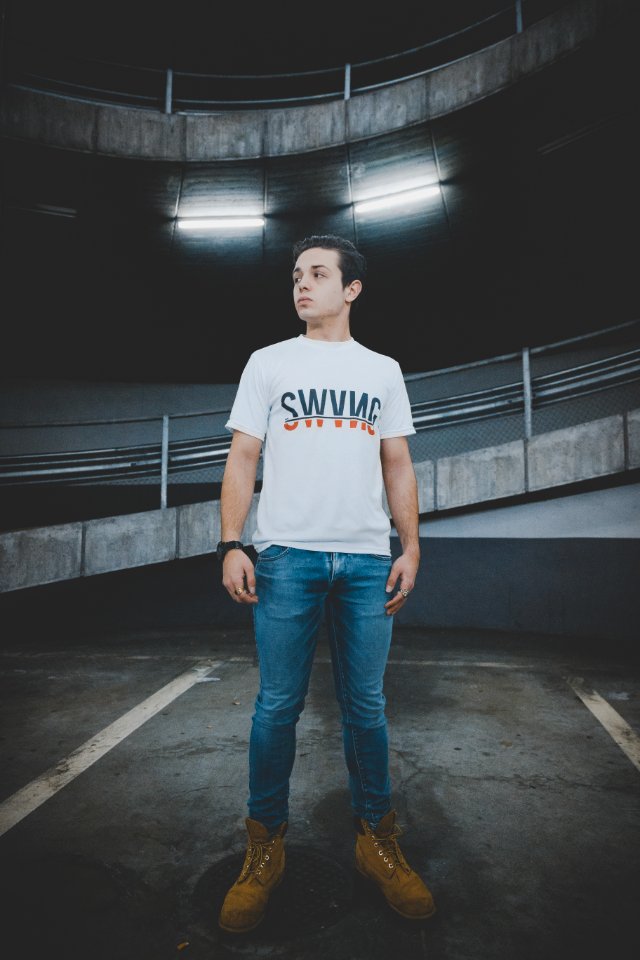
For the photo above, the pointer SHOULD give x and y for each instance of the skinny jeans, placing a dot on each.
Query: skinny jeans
(296, 588)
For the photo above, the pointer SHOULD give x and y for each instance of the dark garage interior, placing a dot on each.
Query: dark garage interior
(507, 293)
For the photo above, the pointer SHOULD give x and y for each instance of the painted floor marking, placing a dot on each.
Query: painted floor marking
(617, 728)
(16, 807)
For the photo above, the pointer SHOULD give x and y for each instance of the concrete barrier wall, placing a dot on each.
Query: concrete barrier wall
(425, 477)
(582, 452)
(131, 540)
(198, 528)
(576, 453)
(633, 437)
(244, 134)
(488, 474)
(41, 555)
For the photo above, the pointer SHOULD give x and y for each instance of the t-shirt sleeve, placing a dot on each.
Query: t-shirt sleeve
(250, 410)
(395, 417)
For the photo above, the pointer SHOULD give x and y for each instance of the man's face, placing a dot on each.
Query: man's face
(318, 292)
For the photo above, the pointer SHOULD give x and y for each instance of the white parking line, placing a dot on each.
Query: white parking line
(617, 728)
(16, 807)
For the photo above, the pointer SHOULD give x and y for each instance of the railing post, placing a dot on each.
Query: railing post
(168, 91)
(528, 400)
(347, 81)
(518, 16)
(164, 470)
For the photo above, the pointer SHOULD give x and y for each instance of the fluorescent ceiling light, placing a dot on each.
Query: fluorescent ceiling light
(385, 189)
(219, 223)
(397, 198)
(219, 208)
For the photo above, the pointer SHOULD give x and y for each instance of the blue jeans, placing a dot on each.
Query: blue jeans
(294, 588)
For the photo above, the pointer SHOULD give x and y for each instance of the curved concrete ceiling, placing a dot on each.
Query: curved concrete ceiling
(244, 134)
(526, 243)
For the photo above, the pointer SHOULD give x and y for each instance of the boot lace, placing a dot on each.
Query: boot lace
(257, 856)
(389, 849)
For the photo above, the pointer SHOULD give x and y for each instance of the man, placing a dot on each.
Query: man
(334, 418)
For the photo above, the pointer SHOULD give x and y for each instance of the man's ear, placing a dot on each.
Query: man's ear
(353, 290)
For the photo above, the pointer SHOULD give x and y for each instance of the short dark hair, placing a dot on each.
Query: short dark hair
(353, 265)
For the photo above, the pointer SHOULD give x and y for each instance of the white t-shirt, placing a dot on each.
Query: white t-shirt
(321, 408)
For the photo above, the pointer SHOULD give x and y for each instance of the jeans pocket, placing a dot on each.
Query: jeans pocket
(273, 552)
(381, 556)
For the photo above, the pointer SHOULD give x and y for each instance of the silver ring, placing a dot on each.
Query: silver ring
(405, 593)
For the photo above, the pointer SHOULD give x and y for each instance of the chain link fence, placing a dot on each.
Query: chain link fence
(606, 398)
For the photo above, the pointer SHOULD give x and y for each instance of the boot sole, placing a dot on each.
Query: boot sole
(258, 922)
(405, 916)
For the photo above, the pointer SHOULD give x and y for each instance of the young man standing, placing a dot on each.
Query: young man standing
(333, 417)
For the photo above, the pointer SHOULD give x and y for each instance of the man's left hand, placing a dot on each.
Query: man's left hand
(404, 568)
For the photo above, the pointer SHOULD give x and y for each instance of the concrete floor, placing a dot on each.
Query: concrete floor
(519, 809)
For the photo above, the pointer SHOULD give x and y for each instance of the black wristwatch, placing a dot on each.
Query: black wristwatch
(225, 545)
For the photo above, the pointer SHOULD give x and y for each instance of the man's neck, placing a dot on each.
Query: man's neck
(333, 332)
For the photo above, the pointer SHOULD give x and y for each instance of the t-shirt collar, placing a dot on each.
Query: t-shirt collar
(326, 344)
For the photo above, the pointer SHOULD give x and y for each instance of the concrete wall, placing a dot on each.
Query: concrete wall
(575, 587)
(479, 475)
(633, 438)
(576, 453)
(48, 554)
(227, 135)
(582, 452)
(131, 540)
(41, 555)
(198, 528)
(585, 588)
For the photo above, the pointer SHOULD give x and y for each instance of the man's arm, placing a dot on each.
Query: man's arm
(402, 493)
(238, 484)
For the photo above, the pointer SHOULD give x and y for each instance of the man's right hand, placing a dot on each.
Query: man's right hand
(238, 577)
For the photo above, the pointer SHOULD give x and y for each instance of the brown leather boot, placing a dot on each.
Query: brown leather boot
(379, 858)
(246, 901)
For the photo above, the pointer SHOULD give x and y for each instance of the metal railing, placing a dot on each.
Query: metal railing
(176, 91)
(168, 457)
(516, 398)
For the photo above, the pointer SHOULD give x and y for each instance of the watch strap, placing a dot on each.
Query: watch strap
(225, 545)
